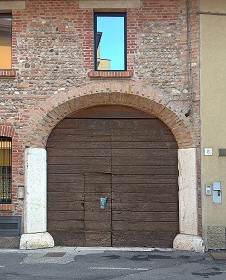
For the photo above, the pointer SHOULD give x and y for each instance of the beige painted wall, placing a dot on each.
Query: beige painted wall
(213, 114)
(213, 6)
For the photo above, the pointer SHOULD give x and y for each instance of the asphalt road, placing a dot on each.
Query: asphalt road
(82, 264)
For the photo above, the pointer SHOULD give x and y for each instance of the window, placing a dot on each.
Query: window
(5, 169)
(5, 41)
(110, 41)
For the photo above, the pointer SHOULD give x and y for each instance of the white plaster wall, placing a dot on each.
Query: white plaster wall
(188, 212)
(35, 219)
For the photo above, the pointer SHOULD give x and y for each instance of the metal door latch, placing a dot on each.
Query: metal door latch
(103, 202)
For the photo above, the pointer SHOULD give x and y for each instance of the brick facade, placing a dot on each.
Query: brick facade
(52, 75)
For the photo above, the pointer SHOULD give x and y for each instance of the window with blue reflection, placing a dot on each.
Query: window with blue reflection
(110, 41)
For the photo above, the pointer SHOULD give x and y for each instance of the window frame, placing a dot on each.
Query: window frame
(6, 191)
(11, 39)
(110, 14)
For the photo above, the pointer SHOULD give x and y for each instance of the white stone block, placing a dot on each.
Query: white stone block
(35, 218)
(188, 193)
(189, 243)
(36, 241)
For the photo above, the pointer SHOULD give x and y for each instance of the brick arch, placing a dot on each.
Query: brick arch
(7, 130)
(147, 99)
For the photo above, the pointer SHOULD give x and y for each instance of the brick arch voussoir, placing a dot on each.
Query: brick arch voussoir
(133, 95)
(7, 130)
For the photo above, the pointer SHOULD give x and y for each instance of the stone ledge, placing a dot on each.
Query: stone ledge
(109, 4)
(7, 207)
(110, 74)
(8, 73)
(12, 5)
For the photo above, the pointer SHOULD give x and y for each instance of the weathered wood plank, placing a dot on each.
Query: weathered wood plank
(145, 153)
(76, 187)
(95, 206)
(80, 125)
(93, 178)
(81, 145)
(73, 169)
(144, 197)
(101, 216)
(144, 179)
(59, 136)
(93, 203)
(142, 206)
(144, 126)
(61, 152)
(144, 145)
(65, 205)
(144, 188)
(142, 138)
(95, 197)
(93, 238)
(65, 196)
(146, 239)
(145, 226)
(65, 215)
(77, 179)
(129, 216)
(76, 160)
(150, 170)
(98, 188)
(98, 227)
(68, 238)
(144, 160)
(66, 225)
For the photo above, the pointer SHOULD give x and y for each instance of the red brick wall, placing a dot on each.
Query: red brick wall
(53, 55)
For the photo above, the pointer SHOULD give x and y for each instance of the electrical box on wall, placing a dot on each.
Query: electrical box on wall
(217, 193)
(208, 190)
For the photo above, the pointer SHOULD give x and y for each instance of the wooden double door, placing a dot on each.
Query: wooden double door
(120, 154)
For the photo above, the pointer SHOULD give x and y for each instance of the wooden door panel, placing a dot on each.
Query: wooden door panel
(121, 153)
(97, 221)
(144, 184)
(74, 149)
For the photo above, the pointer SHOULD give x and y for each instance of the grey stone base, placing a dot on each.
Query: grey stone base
(189, 243)
(9, 242)
(31, 241)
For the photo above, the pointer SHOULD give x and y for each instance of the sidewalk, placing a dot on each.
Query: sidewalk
(110, 263)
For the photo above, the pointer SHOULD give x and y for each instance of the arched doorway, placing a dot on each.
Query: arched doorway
(120, 153)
